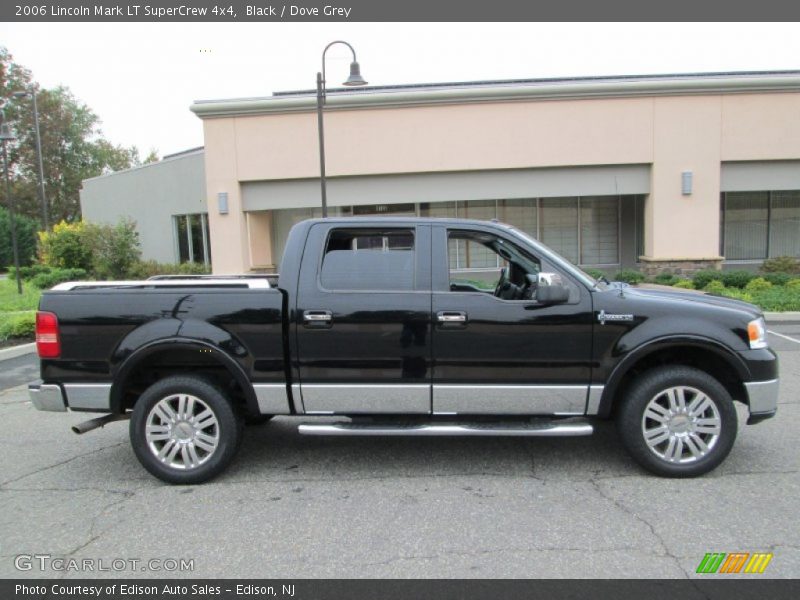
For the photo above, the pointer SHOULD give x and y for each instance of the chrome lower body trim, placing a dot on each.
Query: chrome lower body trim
(91, 397)
(366, 399)
(509, 399)
(272, 398)
(762, 396)
(593, 401)
(297, 399)
(567, 428)
(46, 396)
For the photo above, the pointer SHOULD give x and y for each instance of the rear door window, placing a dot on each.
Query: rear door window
(369, 259)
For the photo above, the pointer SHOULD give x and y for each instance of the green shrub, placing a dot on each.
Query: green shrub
(759, 284)
(778, 298)
(737, 279)
(777, 278)
(702, 278)
(67, 246)
(715, 286)
(28, 273)
(781, 264)
(45, 281)
(596, 273)
(26, 239)
(685, 284)
(738, 294)
(629, 276)
(793, 284)
(115, 249)
(104, 251)
(666, 279)
(17, 325)
(148, 268)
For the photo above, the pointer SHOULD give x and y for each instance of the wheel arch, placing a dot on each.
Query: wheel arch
(698, 352)
(208, 355)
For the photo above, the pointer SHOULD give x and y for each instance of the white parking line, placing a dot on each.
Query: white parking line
(786, 337)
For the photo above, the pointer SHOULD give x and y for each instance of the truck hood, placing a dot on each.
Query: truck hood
(696, 297)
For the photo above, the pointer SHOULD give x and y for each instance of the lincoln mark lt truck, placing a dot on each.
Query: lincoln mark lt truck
(374, 327)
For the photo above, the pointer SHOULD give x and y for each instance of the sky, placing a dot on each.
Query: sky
(141, 78)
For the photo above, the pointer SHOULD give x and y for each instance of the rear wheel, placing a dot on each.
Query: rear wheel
(677, 421)
(184, 430)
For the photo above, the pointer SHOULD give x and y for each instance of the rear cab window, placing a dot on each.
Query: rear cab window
(369, 260)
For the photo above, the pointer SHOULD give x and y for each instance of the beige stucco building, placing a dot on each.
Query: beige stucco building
(655, 172)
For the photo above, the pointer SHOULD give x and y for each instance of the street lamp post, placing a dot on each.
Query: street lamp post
(355, 79)
(5, 136)
(42, 197)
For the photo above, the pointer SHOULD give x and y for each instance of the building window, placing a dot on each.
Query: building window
(191, 238)
(559, 229)
(585, 230)
(599, 230)
(760, 225)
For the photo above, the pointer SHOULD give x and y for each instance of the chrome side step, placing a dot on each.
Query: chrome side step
(543, 428)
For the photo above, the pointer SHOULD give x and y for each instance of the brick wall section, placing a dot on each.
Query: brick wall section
(686, 267)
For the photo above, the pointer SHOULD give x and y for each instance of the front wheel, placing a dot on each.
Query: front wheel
(677, 421)
(184, 430)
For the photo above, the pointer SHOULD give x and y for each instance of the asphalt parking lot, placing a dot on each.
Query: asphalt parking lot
(295, 506)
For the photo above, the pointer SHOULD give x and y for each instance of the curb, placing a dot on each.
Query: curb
(16, 351)
(782, 317)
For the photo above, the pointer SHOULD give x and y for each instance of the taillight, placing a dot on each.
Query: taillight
(48, 344)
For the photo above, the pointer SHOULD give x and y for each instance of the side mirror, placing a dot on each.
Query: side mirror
(552, 294)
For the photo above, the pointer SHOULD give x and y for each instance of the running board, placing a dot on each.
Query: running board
(554, 428)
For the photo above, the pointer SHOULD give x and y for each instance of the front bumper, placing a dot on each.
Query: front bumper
(762, 398)
(87, 397)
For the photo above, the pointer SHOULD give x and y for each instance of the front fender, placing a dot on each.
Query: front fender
(644, 350)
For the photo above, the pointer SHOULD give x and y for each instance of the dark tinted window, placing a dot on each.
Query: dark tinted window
(369, 259)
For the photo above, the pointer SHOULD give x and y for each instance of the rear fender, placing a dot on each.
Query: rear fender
(215, 351)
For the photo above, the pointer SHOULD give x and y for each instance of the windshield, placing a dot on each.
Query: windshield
(563, 262)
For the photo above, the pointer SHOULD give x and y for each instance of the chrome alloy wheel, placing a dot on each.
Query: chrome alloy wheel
(182, 431)
(681, 424)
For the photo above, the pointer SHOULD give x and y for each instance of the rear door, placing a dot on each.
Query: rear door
(507, 354)
(363, 319)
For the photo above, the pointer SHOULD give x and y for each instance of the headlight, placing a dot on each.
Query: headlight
(757, 332)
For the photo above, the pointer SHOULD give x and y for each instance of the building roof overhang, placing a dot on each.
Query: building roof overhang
(506, 91)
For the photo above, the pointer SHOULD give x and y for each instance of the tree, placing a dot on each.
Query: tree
(152, 157)
(73, 148)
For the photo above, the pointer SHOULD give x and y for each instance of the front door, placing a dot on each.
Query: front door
(497, 350)
(363, 320)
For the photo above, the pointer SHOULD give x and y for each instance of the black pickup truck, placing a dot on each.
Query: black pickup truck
(376, 326)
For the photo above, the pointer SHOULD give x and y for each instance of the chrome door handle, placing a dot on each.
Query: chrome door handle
(317, 316)
(452, 316)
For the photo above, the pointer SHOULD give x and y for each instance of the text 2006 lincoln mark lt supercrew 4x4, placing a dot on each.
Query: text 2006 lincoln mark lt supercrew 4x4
(375, 322)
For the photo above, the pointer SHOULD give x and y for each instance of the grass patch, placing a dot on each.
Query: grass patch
(17, 312)
(11, 301)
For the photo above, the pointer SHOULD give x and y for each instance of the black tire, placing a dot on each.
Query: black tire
(689, 458)
(250, 419)
(227, 430)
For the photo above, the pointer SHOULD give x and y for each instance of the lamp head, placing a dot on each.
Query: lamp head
(5, 133)
(5, 130)
(355, 78)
